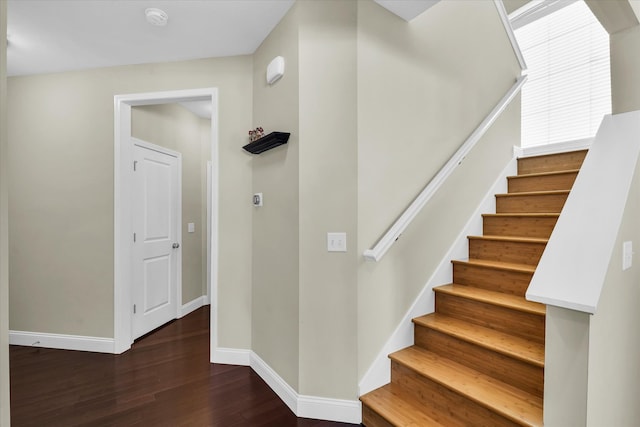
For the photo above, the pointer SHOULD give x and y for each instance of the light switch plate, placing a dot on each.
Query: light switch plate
(257, 199)
(627, 255)
(337, 242)
(191, 227)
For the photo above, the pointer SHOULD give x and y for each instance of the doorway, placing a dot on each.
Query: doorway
(123, 201)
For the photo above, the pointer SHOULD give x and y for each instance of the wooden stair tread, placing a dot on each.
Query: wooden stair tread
(510, 239)
(391, 405)
(523, 215)
(518, 348)
(498, 265)
(510, 402)
(510, 301)
(534, 193)
(536, 174)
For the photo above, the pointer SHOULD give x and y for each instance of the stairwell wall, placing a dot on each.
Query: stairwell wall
(614, 343)
(423, 87)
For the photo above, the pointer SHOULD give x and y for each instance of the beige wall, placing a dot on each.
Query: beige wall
(566, 367)
(513, 5)
(328, 198)
(625, 69)
(4, 252)
(304, 323)
(275, 298)
(422, 89)
(173, 126)
(61, 193)
(614, 342)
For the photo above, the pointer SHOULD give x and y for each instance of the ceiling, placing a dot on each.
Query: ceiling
(47, 36)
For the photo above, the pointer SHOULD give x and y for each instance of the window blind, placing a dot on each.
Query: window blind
(568, 90)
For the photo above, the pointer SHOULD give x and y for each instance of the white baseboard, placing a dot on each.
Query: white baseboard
(275, 381)
(379, 373)
(231, 356)
(321, 408)
(63, 342)
(193, 305)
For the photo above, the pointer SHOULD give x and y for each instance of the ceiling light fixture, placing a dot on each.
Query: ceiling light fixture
(156, 16)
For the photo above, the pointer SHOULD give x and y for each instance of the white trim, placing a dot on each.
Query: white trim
(192, 306)
(559, 147)
(596, 203)
(322, 408)
(231, 356)
(62, 342)
(347, 411)
(534, 10)
(512, 37)
(154, 147)
(286, 393)
(208, 230)
(123, 228)
(379, 371)
(388, 239)
(213, 223)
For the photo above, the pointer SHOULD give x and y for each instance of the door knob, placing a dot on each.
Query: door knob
(175, 245)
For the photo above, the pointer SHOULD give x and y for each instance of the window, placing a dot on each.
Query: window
(569, 86)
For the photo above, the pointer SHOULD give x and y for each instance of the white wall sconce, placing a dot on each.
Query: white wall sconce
(275, 70)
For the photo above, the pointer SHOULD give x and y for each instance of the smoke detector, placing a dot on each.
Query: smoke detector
(156, 17)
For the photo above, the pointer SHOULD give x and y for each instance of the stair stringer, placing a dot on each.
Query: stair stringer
(379, 372)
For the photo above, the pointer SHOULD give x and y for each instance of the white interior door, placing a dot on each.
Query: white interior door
(156, 222)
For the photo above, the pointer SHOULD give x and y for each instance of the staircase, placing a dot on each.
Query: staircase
(479, 359)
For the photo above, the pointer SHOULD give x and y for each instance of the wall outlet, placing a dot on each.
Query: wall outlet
(337, 242)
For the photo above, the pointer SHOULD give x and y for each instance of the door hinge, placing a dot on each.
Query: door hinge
(135, 165)
(134, 309)
(134, 237)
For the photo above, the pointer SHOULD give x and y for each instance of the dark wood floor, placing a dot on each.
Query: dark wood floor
(164, 380)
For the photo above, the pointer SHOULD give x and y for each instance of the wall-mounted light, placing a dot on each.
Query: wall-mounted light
(275, 70)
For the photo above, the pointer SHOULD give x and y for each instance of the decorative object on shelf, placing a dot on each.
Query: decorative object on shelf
(267, 142)
(256, 134)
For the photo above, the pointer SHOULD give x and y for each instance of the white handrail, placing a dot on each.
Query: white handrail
(504, 17)
(383, 245)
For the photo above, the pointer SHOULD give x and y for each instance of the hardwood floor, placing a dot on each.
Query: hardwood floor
(164, 380)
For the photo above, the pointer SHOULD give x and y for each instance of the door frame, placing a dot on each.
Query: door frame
(123, 224)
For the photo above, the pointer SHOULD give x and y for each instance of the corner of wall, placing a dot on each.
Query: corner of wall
(4, 229)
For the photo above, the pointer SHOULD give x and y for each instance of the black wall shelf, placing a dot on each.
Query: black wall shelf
(267, 142)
